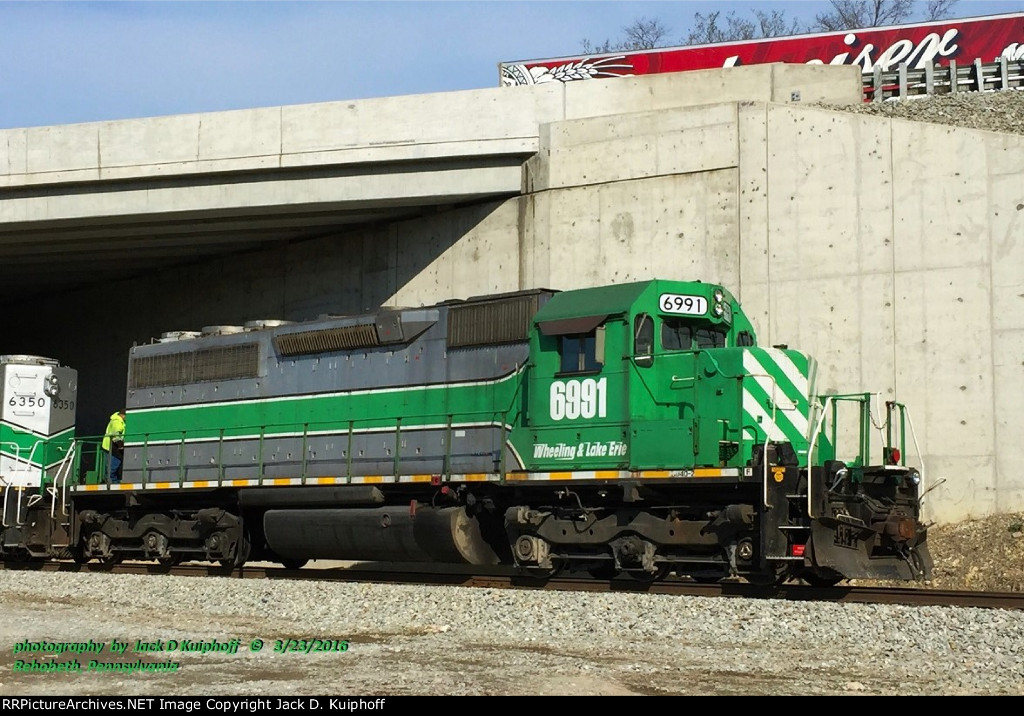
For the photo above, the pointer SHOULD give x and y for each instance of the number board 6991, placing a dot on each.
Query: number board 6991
(682, 303)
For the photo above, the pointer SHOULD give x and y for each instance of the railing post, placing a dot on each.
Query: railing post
(954, 80)
(835, 421)
(181, 460)
(348, 453)
(305, 436)
(448, 451)
(501, 448)
(890, 408)
(398, 447)
(220, 457)
(903, 434)
(145, 459)
(865, 429)
(259, 456)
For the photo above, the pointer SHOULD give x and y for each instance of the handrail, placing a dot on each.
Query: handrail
(178, 439)
(17, 511)
(174, 435)
(3, 516)
(63, 473)
(867, 424)
(17, 449)
(767, 437)
(27, 461)
(810, 453)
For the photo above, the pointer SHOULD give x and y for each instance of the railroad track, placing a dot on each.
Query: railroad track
(911, 596)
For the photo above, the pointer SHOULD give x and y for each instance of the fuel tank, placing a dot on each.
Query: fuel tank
(408, 533)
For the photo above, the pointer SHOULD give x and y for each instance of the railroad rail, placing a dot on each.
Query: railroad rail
(504, 579)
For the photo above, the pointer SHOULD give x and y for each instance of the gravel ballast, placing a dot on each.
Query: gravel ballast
(413, 640)
(991, 111)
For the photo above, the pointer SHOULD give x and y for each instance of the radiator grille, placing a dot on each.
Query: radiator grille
(327, 340)
(225, 363)
(502, 321)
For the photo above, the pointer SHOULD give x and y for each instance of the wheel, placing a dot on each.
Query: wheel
(111, 559)
(543, 572)
(18, 555)
(241, 555)
(169, 561)
(708, 577)
(642, 575)
(772, 577)
(604, 571)
(816, 579)
(294, 563)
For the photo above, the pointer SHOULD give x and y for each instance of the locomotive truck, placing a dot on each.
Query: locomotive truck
(630, 430)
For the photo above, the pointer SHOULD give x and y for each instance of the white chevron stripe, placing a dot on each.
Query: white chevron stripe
(755, 410)
(795, 417)
(798, 379)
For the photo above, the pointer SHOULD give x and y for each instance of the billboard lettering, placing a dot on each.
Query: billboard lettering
(918, 45)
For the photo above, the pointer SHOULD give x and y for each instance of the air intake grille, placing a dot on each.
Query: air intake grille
(480, 324)
(327, 340)
(225, 363)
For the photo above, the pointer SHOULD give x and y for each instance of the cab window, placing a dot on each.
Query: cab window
(643, 335)
(678, 334)
(579, 353)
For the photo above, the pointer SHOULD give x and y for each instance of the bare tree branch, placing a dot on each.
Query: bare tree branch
(590, 48)
(647, 33)
(644, 34)
(853, 14)
(940, 9)
(641, 34)
(774, 24)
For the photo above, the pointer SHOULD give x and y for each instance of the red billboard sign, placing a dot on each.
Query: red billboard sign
(918, 45)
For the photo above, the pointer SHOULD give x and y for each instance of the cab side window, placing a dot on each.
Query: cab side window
(643, 335)
(579, 353)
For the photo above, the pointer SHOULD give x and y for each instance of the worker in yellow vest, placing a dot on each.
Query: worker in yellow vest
(113, 445)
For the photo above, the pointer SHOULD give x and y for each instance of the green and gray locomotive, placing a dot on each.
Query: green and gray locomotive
(634, 429)
(37, 457)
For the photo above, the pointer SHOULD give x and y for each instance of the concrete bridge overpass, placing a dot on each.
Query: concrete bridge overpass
(890, 250)
(82, 203)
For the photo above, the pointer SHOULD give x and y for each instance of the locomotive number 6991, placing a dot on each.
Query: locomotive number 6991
(579, 398)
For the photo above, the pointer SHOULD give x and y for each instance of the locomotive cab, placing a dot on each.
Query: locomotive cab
(689, 449)
(643, 395)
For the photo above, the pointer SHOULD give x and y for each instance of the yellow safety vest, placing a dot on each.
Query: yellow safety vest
(115, 428)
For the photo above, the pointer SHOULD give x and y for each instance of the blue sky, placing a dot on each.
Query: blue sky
(68, 62)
